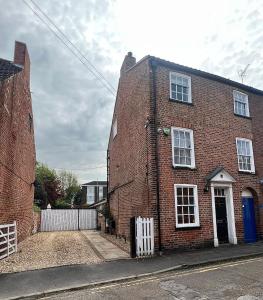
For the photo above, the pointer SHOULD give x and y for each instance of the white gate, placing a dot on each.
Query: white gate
(68, 219)
(144, 233)
(8, 239)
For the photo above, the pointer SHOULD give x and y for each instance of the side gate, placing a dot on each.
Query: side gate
(8, 239)
(143, 230)
(68, 219)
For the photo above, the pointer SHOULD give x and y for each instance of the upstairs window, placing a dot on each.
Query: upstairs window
(183, 147)
(186, 205)
(114, 129)
(100, 192)
(245, 155)
(241, 104)
(90, 195)
(180, 87)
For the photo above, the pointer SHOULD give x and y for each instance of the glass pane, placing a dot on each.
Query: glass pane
(185, 97)
(177, 160)
(179, 210)
(191, 191)
(179, 96)
(179, 200)
(179, 191)
(186, 219)
(185, 210)
(191, 200)
(185, 191)
(179, 89)
(185, 200)
(191, 210)
(192, 219)
(180, 219)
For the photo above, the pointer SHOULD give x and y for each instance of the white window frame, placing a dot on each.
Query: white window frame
(114, 128)
(89, 188)
(246, 102)
(192, 166)
(101, 187)
(252, 155)
(196, 206)
(189, 84)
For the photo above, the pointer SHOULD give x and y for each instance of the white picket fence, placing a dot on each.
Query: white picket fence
(68, 219)
(144, 233)
(8, 239)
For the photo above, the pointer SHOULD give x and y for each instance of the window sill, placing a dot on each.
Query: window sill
(184, 168)
(246, 172)
(181, 102)
(241, 116)
(188, 228)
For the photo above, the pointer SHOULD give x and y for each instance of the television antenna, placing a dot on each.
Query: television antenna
(242, 73)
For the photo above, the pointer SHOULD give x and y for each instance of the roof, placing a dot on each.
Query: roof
(95, 183)
(200, 73)
(8, 69)
(214, 173)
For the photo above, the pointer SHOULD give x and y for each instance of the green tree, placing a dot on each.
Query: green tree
(47, 186)
(70, 186)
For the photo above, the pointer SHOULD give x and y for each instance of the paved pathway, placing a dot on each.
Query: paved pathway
(104, 248)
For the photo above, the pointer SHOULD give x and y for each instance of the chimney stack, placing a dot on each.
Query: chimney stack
(129, 61)
(21, 58)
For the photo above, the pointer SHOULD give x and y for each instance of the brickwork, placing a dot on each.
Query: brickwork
(17, 148)
(215, 126)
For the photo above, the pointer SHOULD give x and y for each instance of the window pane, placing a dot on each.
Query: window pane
(186, 219)
(179, 200)
(192, 219)
(179, 96)
(180, 219)
(180, 210)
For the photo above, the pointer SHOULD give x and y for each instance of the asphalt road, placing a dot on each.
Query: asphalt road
(242, 280)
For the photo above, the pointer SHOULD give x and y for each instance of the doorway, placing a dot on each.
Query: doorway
(249, 221)
(221, 215)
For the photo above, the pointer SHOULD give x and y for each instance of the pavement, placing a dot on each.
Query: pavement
(39, 283)
(102, 247)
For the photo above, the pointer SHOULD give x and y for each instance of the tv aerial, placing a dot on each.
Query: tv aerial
(243, 73)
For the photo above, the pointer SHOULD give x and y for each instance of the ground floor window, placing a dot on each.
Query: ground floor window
(186, 205)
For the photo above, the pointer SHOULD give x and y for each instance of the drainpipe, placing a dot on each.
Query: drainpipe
(153, 67)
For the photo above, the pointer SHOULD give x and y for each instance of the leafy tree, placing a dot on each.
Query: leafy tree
(70, 186)
(47, 186)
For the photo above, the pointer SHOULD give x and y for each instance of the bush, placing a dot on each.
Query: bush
(61, 204)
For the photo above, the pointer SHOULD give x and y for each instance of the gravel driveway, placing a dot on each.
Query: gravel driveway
(50, 249)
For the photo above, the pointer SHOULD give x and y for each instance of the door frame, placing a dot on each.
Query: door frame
(229, 211)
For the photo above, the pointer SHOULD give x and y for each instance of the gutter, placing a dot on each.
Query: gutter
(153, 66)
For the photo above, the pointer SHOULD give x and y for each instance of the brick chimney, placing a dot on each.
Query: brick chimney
(21, 58)
(129, 61)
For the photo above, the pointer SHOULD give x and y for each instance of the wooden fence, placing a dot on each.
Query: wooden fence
(144, 235)
(68, 219)
(8, 239)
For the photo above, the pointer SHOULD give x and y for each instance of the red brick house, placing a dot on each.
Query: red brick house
(186, 148)
(17, 147)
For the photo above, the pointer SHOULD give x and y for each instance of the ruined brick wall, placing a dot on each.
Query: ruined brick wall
(17, 153)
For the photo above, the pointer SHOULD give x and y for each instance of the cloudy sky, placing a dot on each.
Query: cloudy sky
(73, 109)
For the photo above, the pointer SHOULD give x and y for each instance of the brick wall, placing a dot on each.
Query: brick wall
(132, 152)
(128, 150)
(17, 149)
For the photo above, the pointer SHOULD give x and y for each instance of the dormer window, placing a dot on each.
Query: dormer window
(180, 87)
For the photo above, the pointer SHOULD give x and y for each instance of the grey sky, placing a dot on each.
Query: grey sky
(72, 110)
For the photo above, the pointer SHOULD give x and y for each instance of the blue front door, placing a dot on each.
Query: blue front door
(250, 232)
